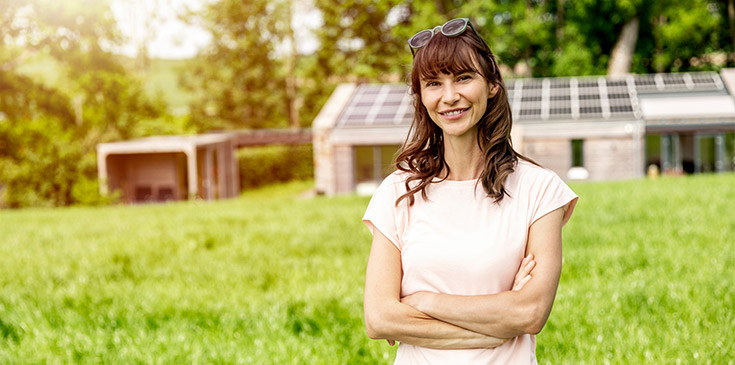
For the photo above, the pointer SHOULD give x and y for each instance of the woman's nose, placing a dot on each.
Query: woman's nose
(450, 94)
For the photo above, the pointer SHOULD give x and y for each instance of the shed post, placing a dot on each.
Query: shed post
(208, 172)
(221, 170)
(639, 145)
(720, 152)
(191, 170)
(102, 170)
(234, 170)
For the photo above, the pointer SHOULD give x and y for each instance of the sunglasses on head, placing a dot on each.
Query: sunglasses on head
(451, 28)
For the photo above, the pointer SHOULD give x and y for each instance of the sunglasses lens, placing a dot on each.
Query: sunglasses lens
(421, 38)
(454, 27)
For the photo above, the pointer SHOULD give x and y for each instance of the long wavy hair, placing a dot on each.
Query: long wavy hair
(422, 155)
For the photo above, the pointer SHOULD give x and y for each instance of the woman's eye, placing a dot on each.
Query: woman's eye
(431, 83)
(464, 78)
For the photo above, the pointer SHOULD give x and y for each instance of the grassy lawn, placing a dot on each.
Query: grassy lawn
(274, 278)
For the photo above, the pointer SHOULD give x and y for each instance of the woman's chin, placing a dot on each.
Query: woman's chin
(459, 131)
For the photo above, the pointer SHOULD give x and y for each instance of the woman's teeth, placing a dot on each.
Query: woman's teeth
(454, 112)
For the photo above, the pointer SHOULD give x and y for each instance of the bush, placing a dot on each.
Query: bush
(273, 164)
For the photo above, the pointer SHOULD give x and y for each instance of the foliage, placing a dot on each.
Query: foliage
(273, 278)
(356, 40)
(49, 128)
(252, 76)
(273, 164)
(239, 79)
(564, 38)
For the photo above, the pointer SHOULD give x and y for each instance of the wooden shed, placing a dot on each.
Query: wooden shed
(586, 128)
(169, 168)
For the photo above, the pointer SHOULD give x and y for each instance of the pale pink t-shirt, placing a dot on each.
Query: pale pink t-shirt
(459, 242)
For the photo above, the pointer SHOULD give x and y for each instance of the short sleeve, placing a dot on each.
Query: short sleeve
(382, 213)
(552, 193)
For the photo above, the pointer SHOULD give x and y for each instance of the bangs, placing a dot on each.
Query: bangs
(443, 55)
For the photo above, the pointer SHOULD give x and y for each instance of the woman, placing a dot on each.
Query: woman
(466, 251)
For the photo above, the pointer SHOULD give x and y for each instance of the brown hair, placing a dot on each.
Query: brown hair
(422, 155)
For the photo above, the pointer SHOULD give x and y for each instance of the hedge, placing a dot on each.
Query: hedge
(273, 164)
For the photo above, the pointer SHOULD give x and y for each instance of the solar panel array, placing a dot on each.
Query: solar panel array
(378, 105)
(572, 98)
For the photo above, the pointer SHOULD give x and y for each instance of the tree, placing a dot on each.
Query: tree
(240, 79)
(49, 131)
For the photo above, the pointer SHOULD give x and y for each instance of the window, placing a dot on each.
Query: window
(364, 164)
(577, 153)
(374, 163)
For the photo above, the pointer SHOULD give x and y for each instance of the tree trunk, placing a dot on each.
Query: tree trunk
(731, 18)
(291, 61)
(622, 54)
(560, 5)
(441, 7)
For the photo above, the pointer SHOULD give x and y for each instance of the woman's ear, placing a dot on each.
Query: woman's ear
(493, 90)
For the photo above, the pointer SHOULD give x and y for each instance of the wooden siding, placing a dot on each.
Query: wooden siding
(604, 158)
(344, 169)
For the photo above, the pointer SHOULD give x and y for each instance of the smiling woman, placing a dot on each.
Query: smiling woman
(456, 103)
(471, 263)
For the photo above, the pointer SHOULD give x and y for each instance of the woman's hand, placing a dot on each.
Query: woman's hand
(421, 299)
(386, 317)
(525, 307)
(524, 272)
(417, 299)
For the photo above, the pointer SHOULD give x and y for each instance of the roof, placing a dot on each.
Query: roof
(162, 144)
(587, 98)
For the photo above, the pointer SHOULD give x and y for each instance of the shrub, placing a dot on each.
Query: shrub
(272, 164)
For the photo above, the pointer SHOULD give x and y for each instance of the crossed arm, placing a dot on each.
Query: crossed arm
(454, 321)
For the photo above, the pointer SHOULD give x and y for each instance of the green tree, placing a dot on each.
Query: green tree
(49, 131)
(240, 80)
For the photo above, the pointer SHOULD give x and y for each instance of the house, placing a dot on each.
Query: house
(166, 168)
(583, 128)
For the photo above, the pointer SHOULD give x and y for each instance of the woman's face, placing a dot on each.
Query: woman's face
(456, 102)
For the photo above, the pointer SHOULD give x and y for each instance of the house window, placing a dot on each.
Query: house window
(364, 164)
(577, 153)
(373, 163)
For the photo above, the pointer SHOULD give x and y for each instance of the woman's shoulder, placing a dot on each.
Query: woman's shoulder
(524, 167)
(527, 172)
(396, 177)
(395, 181)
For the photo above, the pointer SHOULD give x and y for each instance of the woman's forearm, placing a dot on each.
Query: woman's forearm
(387, 318)
(400, 322)
(501, 315)
(509, 313)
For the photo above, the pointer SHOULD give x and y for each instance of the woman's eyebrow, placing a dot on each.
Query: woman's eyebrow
(465, 71)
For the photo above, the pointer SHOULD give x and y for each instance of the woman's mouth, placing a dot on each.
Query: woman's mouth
(454, 113)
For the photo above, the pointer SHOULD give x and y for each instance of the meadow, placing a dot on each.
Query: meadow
(275, 277)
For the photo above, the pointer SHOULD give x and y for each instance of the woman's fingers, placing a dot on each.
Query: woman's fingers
(526, 266)
(524, 272)
(519, 285)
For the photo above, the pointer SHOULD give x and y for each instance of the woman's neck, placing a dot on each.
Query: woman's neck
(463, 156)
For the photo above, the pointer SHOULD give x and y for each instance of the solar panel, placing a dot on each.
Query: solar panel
(569, 98)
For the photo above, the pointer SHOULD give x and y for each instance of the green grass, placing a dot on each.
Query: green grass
(274, 278)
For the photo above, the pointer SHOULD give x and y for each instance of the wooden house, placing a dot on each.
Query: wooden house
(583, 128)
(167, 168)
